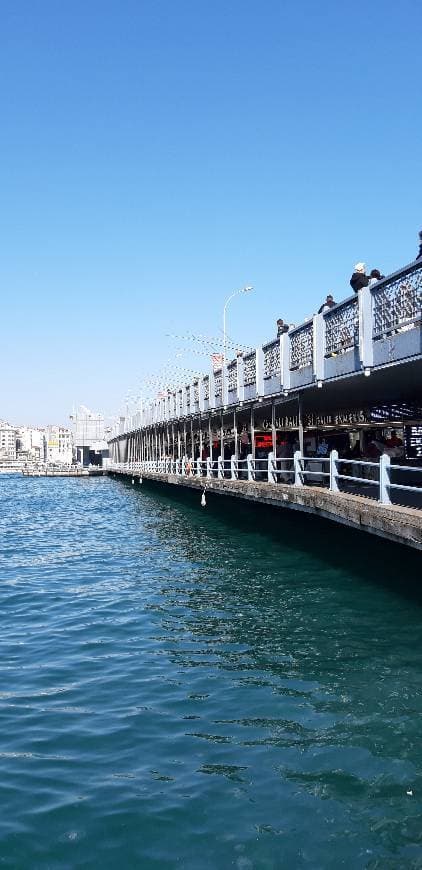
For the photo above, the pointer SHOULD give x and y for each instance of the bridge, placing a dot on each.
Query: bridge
(328, 415)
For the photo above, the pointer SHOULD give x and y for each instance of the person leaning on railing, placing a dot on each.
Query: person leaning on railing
(329, 303)
(359, 278)
(419, 257)
(281, 327)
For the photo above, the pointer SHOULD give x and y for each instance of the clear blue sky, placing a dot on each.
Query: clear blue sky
(156, 155)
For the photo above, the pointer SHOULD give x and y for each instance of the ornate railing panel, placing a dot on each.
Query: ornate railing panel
(188, 398)
(342, 327)
(218, 384)
(301, 346)
(397, 302)
(206, 386)
(196, 393)
(249, 369)
(272, 359)
(232, 376)
(180, 401)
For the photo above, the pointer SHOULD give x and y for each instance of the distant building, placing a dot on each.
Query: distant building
(59, 445)
(31, 444)
(7, 442)
(89, 437)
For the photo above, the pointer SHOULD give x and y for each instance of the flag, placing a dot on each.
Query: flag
(217, 361)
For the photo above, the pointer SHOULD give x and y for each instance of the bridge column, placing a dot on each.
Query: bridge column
(366, 345)
(285, 360)
(259, 371)
(318, 326)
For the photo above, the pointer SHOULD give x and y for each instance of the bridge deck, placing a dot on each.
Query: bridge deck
(393, 522)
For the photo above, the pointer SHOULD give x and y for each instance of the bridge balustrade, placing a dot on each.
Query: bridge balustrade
(378, 480)
(249, 375)
(232, 389)
(301, 354)
(397, 302)
(218, 387)
(272, 366)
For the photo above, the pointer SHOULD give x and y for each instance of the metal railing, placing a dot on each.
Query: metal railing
(218, 384)
(301, 346)
(249, 369)
(397, 301)
(232, 376)
(373, 479)
(342, 327)
(271, 359)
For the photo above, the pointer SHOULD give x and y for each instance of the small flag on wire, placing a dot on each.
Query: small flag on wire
(217, 361)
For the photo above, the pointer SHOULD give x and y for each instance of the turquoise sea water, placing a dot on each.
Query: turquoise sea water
(218, 688)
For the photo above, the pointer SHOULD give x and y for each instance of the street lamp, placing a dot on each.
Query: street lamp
(236, 293)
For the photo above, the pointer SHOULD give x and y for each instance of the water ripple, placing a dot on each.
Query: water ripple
(202, 689)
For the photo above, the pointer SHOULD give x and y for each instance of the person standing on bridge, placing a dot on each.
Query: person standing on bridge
(359, 278)
(281, 327)
(419, 257)
(329, 303)
(375, 276)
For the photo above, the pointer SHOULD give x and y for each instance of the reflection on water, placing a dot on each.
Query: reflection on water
(225, 687)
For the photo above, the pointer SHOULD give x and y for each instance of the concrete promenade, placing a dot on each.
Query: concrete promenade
(402, 525)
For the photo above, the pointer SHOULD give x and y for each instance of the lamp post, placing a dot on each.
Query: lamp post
(229, 298)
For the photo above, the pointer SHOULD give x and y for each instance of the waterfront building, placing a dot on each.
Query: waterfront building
(59, 445)
(89, 437)
(7, 442)
(31, 444)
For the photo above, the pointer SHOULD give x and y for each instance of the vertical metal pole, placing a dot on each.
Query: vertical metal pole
(236, 446)
(200, 439)
(192, 449)
(253, 432)
(210, 440)
(300, 420)
(273, 429)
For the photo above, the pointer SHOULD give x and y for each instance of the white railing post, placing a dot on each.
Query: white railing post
(183, 471)
(249, 460)
(233, 468)
(298, 469)
(220, 465)
(272, 476)
(209, 466)
(333, 471)
(384, 495)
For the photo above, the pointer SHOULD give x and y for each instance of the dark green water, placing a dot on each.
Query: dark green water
(203, 689)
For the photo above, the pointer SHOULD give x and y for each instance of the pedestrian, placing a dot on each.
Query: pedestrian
(282, 327)
(374, 276)
(329, 303)
(419, 257)
(359, 278)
